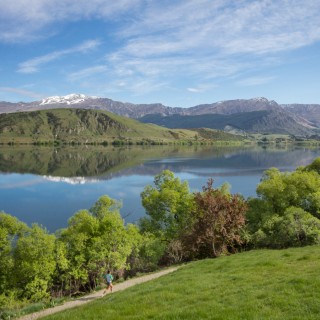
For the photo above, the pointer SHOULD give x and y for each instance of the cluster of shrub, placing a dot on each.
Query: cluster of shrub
(179, 226)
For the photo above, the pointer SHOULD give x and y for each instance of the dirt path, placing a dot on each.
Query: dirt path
(96, 295)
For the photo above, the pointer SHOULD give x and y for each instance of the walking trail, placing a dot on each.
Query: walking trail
(97, 295)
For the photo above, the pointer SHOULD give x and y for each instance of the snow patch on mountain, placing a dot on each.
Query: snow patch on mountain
(68, 99)
(260, 99)
(263, 99)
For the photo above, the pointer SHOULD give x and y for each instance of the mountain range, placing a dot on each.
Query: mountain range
(257, 115)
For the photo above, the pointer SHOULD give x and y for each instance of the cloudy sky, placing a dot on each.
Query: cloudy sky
(177, 52)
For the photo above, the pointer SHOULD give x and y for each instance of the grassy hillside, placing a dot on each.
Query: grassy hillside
(264, 284)
(88, 126)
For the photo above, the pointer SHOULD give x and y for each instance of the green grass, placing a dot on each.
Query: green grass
(81, 126)
(261, 284)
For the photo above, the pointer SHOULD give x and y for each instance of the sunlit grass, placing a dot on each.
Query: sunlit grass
(78, 126)
(260, 284)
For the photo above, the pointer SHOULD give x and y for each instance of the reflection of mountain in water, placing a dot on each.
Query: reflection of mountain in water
(69, 161)
(74, 180)
(78, 165)
(242, 162)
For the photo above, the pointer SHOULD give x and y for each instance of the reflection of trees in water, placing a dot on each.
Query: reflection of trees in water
(107, 162)
(85, 163)
(67, 162)
(96, 160)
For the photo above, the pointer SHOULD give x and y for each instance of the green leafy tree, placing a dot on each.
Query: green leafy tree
(147, 251)
(61, 276)
(168, 205)
(287, 211)
(259, 211)
(295, 228)
(95, 240)
(34, 263)
(299, 188)
(11, 229)
(314, 166)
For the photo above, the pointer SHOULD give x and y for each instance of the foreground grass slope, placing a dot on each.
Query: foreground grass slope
(263, 284)
(89, 126)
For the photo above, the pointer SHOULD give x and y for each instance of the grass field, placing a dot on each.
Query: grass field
(263, 284)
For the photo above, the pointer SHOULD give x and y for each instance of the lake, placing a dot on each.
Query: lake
(48, 185)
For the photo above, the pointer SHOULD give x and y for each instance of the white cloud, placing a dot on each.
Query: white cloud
(194, 90)
(210, 40)
(25, 20)
(255, 81)
(32, 65)
(87, 72)
(22, 92)
(232, 26)
(226, 26)
(202, 88)
(161, 42)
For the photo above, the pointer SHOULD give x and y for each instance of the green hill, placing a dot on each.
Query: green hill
(262, 284)
(91, 126)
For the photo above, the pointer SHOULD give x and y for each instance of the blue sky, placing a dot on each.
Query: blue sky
(180, 53)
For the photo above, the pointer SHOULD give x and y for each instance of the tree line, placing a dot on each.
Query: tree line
(179, 226)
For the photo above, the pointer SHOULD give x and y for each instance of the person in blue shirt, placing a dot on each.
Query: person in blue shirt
(109, 278)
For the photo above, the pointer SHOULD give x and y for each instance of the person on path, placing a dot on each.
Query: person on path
(108, 276)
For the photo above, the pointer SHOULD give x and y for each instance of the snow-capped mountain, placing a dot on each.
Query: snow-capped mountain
(266, 115)
(73, 98)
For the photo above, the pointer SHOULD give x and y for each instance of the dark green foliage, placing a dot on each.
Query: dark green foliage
(295, 228)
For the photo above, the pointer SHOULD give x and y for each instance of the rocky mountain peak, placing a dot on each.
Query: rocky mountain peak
(72, 98)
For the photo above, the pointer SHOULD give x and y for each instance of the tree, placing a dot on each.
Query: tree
(219, 220)
(11, 229)
(287, 211)
(295, 228)
(313, 166)
(95, 240)
(299, 188)
(146, 253)
(168, 205)
(34, 263)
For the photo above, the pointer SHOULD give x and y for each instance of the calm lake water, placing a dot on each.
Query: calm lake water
(48, 185)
